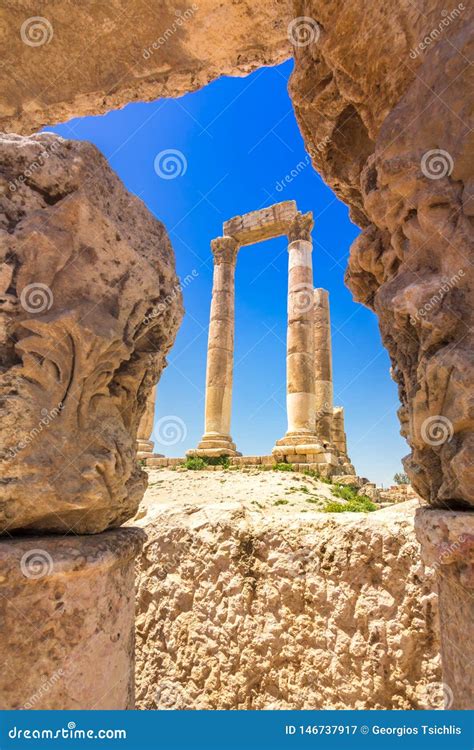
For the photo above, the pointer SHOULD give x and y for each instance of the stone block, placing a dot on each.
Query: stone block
(67, 620)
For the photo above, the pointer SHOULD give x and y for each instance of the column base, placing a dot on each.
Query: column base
(67, 612)
(145, 450)
(215, 445)
(447, 545)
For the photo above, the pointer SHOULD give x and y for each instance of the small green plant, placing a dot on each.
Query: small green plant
(195, 463)
(313, 500)
(200, 462)
(401, 478)
(280, 502)
(360, 504)
(313, 474)
(283, 467)
(345, 491)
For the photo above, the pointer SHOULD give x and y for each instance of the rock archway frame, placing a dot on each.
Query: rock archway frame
(379, 95)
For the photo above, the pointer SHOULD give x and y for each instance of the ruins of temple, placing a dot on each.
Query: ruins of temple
(315, 436)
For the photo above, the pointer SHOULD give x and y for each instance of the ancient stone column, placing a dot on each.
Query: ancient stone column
(301, 400)
(145, 428)
(220, 353)
(300, 440)
(323, 365)
(447, 545)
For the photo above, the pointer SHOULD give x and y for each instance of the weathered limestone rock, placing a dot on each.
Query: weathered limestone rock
(239, 610)
(447, 545)
(67, 620)
(87, 316)
(411, 266)
(67, 59)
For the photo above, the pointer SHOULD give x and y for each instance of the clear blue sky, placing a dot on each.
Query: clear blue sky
(240, 139)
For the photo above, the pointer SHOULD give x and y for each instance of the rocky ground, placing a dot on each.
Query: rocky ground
(250, 597)
(271, 493)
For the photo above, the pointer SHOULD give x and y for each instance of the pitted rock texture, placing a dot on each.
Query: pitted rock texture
(67, 620)
(413, 266)
(237, 609)
(89, 306)
(71, 59)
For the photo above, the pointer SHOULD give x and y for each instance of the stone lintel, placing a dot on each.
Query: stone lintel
(263, 224)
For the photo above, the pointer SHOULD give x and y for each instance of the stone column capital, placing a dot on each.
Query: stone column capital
(224, 250)
(301, 226)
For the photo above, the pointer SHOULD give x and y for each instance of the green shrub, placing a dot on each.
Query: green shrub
(194, 463)
(200, 462)
(345, 491)
(283, 467)
(280, 502)
(359, 504)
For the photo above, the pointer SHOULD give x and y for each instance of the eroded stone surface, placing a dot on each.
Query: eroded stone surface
(60, 61)
(67, 620)
(412, 266)
(282, 609)
(88, 309)
(447, 544)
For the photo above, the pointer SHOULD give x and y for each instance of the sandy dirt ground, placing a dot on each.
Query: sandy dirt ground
(268, 492)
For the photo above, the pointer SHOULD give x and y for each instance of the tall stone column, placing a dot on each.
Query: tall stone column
(300, 440)
(145, 428)
(323, 365)
(216, 440)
